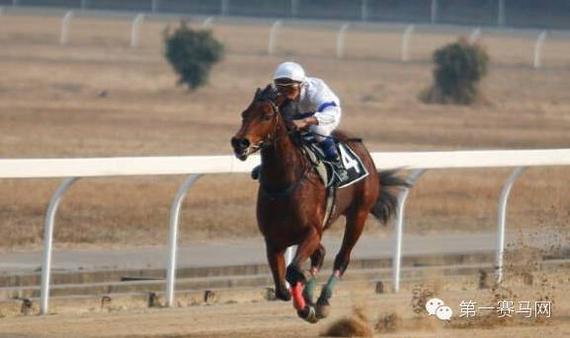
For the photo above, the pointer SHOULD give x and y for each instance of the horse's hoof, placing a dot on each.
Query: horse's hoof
(309, 314)
(283, 294)
(323, 309)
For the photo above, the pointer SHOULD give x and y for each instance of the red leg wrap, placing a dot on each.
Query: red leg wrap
(297, 293)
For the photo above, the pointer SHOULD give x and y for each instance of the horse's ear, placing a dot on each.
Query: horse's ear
(272, 91)
(257, 92)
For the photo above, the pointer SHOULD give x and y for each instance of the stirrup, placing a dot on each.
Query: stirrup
(339, 171)
(342, 174)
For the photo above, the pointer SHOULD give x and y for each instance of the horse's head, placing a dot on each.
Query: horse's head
(260, 122)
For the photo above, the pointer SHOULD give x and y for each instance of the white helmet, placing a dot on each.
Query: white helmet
(289, 70)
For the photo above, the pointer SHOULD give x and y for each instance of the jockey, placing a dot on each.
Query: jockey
(319, 107)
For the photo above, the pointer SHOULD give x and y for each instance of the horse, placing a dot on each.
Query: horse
(291, 201)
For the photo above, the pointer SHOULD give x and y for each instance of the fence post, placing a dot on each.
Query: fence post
(505, 191)
(434, 9)
(399, 234)
(1, 11)
(364, 10)
(135, 30)
(225, 7)
(406, 42)
(14, 3)
(340, 40)
(84, 4)
(294, 8)
(501, 13)
(207, 24)
(475, 34)
(273, 36)
(154, 6)
(173, 236)
(64, 35)
(538, 49)
(48, 242)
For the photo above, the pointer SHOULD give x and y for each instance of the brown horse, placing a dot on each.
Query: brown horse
(291, 201)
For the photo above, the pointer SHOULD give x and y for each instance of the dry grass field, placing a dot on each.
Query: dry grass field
(98, 97)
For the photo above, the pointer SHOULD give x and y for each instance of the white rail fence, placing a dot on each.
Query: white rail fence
(407, 33)
(196, 166)
(493, 13)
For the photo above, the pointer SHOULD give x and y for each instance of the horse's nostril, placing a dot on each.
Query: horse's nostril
(244, 143)
(240, 143)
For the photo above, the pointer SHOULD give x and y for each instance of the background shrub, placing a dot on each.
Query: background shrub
(192, 53)
(459, 67)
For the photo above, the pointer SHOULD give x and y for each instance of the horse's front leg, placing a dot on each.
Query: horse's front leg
(296, 277)
(354, 226)
(277, 264)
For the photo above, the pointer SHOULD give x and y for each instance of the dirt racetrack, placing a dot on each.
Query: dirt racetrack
(254, 317)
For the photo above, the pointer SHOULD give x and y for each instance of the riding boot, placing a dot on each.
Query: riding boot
(256, 172)
(331, 155)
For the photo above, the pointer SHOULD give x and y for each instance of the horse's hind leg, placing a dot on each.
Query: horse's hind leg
(354, 226)
(277, 263)
(317, 259)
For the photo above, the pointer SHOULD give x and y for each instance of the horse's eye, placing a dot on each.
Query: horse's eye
(268, 117)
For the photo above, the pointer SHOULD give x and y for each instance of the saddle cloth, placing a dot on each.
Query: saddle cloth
(352, 163)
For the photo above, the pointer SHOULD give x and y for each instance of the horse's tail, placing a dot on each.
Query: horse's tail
(387, 203)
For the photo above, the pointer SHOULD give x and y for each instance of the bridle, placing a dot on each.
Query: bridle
(271, 139)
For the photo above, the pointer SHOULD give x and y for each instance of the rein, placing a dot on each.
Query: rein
(271, 141)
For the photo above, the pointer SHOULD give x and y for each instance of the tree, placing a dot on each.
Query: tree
(191, 53)
(459, 67)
